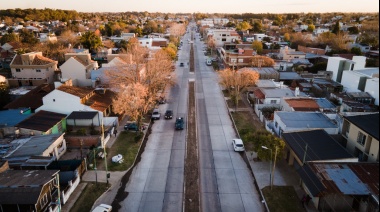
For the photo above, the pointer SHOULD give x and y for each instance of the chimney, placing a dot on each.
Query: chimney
(297, 92)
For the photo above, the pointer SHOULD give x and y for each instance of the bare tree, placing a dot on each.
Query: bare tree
(131, 100)
(211, 43)
(236, 81)
(148, 74)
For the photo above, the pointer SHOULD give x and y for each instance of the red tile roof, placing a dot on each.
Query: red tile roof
(303, 104)
(76, 91)
(259, 94)
(32, 99)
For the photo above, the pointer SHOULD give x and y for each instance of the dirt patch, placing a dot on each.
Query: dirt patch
(192, 160)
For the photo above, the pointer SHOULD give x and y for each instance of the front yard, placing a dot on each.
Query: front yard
(282, 199)
(89, 195)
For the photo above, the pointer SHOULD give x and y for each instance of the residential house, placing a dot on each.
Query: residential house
(153, 43)
(342, 186)
(266, 73)
(314, 145)
(237, 55)
(32, 69)
(288, 54)
(32, 99)
(288, 77)
(40, 145)
(223, 36)
(29, 190)
(83, 118)
(284, 121)
(307, 104)
(47, 37)
(365, 80)
(78, 67)
(362, 134)
(364, 48)
(10, 118)
(42, 123)
(338, 65)
(123, 36)
(66, 99)
(319, 31)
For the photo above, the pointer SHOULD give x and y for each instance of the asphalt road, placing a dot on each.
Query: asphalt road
(226, 184)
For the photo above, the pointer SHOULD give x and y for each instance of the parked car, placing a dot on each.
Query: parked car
(156, 114)
(238, 145)
(208, 62)
(169, 114)
(117, 158)
(102, 208)
(179, 123)
(131, 126)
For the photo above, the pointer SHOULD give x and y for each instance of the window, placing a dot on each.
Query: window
(224, 39)
(361, 138)
(273, 101)
(276, 124)
(38, 70)
(18, 70)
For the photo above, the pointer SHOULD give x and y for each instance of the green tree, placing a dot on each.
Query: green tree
(353, 30)
(8, 38)
(28, 38)
(286, 37)
(336, 28)
(90, 41)
(243, 26)
(356, 51)
(257, 26)
(311, 28)
(257, 46)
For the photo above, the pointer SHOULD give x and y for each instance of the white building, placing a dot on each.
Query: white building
(123, 36)
(372, 87)
(337, 65)
(299, 121)
(222, 36)
(78, 67)
(355, 80)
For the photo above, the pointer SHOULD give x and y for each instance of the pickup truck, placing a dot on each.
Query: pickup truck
(179, 123)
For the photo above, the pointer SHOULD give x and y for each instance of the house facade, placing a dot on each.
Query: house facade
(32, 69)
(78, 67)
(29, 190)
(237, 55)
(362, 134)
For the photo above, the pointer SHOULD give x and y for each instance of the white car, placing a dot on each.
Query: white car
(117, 158)
(238, 145)
(102, 208)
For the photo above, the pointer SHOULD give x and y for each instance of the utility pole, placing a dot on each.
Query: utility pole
(96, 173)
(105, 153)
(274, 165)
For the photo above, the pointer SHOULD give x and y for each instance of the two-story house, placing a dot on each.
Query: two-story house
(362, 134)
(288, 54)
(78, 67)
(237, 55)
(29, 190)
(222, 36)
(32, 69)
(66, 99)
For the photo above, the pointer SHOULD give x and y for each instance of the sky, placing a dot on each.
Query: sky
(204, 6)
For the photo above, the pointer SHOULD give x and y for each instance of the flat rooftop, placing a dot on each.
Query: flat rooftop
(305, 120)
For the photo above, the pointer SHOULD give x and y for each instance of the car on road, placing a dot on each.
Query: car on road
(208, 62)
(179, 123)
(214, 59)
(131, 126)
(102, 208)
(238, 145)
(168, 114)
(156, 114)
(181, 65)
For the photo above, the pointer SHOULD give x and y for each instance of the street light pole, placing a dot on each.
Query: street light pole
(105, 153)
(274, 165)
(270, 166)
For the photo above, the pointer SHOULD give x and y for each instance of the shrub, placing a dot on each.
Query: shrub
(81, 131)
